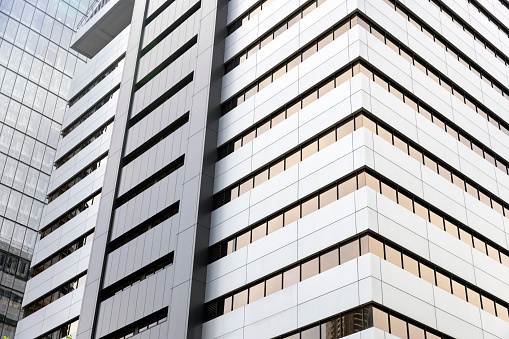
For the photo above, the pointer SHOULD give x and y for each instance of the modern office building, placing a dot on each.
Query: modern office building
(281, 169)
(36, 66)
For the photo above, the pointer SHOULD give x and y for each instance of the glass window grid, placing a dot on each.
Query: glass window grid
(364, 119)
(272, 34)
(248, 15)
(81, 146)
(54, 294)
(96, 81)
(88, 113)
(61, 331)
(77, 178)
(395, 193)
(15, 266)
(139, 326)
(453, 50)
(71, 213)
(144, 227)
(137, 276)
(25, 210)
(150, 181)
(362, 318)
(45, 82)
(404, 51)
(354, 248)
(23, 190)
(41, 136)
(61, 254)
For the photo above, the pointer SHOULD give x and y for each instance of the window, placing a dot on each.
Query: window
(256, 292)
(274, 284)
(349, 251)
(398, 327)
(291, 276)
(55, 294)
(393, 256)
(329, 260)
(310, 268)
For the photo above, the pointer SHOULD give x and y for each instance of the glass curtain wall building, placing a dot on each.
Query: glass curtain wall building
(36, 66)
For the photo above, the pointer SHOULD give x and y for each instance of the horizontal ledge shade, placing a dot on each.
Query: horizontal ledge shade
(349, 250)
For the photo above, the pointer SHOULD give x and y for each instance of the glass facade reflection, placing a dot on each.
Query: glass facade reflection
(36, 66)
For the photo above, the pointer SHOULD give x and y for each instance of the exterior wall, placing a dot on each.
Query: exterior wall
(36, 68)
(67, 308)
(163, 255)
(368, 278)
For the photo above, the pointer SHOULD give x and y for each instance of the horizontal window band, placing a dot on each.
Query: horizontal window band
(273, 33)
(89, 112)
(62, 331)
(157, 12)
(454, 51)
(150, 181)
(158, 137)
(137, 276)
(344, 128)
(364, 317)
(345, 251)
(84, 143)
(483, 11)
(144, 227)
(62, 253)
(70, 214)
(161, 99)
(139, 326)
(170, 28)
(464, 25)
(14, 266)
(55, 294)
(96, 81)
(342, 188)
(89, 169)
(339, 78)
(341, 28)
(248, 15)
(168, 61)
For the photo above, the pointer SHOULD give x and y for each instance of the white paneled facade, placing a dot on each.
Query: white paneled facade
(71, 243)
(290, 169)
(249, 259)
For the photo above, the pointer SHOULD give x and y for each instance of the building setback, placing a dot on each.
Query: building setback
(280, 169)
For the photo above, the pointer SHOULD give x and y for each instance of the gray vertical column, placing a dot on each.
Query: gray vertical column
(191, 253)
(97, 258)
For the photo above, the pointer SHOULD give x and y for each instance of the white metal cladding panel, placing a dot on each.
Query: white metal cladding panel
(365, 279)
(141, 251)
(51, 316)
(171, 43)
(158, 119)
(165, 19)
(99, 63)
(163, 81)
(59, 273)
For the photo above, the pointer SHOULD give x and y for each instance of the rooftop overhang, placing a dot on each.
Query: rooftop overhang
(103, 27)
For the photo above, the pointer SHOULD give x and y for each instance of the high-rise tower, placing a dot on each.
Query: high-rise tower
(282, 169)
(36, 66)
